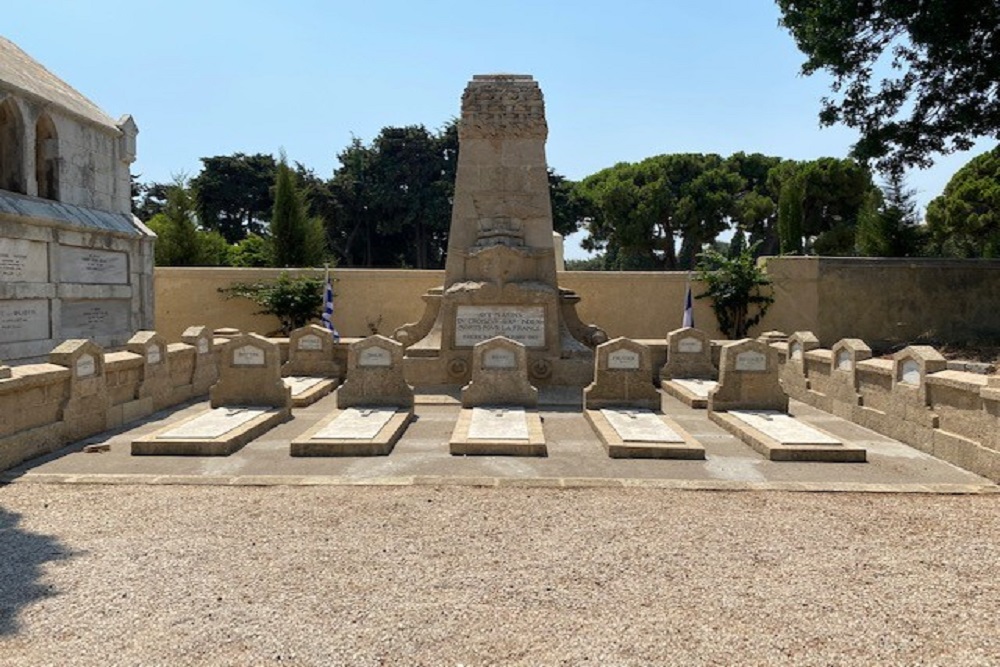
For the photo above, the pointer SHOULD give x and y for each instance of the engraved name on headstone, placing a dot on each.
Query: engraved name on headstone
(525, 324)
(85, 366)
(248, 355)
(910, 372)
(689, 346)
(844, 362)
(93, 318)
(152, 354)
(751, 361)
(23, 320)
(796, 351)
(87, 265)
(202, 346)
(23, 261)
(623, 360)
(310, 342)
(499, 358)
(375, 356)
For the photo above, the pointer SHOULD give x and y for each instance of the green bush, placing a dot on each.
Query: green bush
(293, 300)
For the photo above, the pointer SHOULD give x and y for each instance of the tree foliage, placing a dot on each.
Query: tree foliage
(965, 220)
(738, 287)
(888, 225)
(179, 241)
(233, 194)
(296, 238)
(914, 78)
(294, 300)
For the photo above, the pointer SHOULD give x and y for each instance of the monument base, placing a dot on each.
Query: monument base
(214, 432)
(354, 432)
(780, 437)
(499, 431)
(693, 393)
(308, 390)
(657, 437)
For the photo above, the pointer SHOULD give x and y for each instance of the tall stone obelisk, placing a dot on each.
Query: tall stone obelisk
(500, 272)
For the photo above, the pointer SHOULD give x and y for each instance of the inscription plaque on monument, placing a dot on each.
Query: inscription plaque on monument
(499, 358)
(910, 372)
(92, 318)
(87, 265)
(525, 324)
(310, 342)
(85, 366)
(623, 360)
(248, 355)
(375, 356)
(23, 261)
(751, 361)
(689, 346)
(23, 320)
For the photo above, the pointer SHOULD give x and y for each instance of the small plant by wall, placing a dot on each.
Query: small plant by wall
(293, 300)
(739, 288)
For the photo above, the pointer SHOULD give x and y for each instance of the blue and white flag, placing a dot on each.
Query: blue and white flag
(688, 307)
(328, 307)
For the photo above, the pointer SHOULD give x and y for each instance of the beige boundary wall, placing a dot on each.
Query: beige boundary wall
(883, 301)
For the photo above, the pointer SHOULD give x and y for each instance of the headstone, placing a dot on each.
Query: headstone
(250, 375)
(206, 370)
(799, 343)
(748, 379)
(310, 352)
(911, 366)
(499, 375)
(689, 355)
(500, 274)
(622, 377)
(85, 411)
(375, 375)
(155, 381)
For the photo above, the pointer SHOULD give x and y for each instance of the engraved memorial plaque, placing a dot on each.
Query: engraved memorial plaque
(152, 354)
(499, 358)
(310, 342)
(375, 356)
(525, 324)
(248, 355)
(910, 372)
(24, 320)
(89, 265)
(627, 360)
(23, 261)
(844, 361)
(689, 346)
(796, 351)
(93, 318)
(85, 366)
(202, 346)
(751, 361)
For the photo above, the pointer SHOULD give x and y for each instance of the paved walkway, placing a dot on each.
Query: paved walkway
(576, 458)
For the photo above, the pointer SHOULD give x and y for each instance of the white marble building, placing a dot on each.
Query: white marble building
(74, 261)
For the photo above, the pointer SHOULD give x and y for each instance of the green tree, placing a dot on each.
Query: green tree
(738, 287)
(965, 220)
(233, 194)
(756, 205)
(888, 225)
(296, 239)
(915, 78)
(253, 251)
(294, 300)
(179, 241)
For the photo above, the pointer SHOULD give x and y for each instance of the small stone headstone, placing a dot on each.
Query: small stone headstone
(375, 375)
(499, 375)
(622, 377)
(748, 379)
(689, 355)
(250, 375)
(311, 352)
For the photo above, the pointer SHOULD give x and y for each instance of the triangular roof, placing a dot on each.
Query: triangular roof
(20, 71)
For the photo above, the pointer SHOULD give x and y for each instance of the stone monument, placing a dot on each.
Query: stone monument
(311, 370)
(500, 273)
(74, 262)
(689, 374)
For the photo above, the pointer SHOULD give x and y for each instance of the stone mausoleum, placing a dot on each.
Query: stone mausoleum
(74, 261)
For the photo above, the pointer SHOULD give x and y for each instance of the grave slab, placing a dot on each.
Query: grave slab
(781, 437)
(498, 431)
(308, 390)
(213, 432)
(642, 434)
(692, 392)
(354, 431)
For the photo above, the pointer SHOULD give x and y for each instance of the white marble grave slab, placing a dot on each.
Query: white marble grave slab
(700, 388)
(639, 426)
(498, 424)
(212, 424)
(356, 424)
(784, 428)
(299, 384)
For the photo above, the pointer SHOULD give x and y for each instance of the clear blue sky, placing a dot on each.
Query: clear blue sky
(622, 80)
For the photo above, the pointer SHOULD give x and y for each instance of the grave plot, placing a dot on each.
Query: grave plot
(689, 374)
(750, 404)
(311, 371)
(498, 416)
(374, 405)
(248, 400)
(619, 406)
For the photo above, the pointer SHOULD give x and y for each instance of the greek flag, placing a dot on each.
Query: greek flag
(328, 307)
(688, 307)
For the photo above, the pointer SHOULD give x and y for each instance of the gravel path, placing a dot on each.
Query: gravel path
(464, 576)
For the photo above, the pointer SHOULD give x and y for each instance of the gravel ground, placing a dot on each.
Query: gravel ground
(130, 575)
